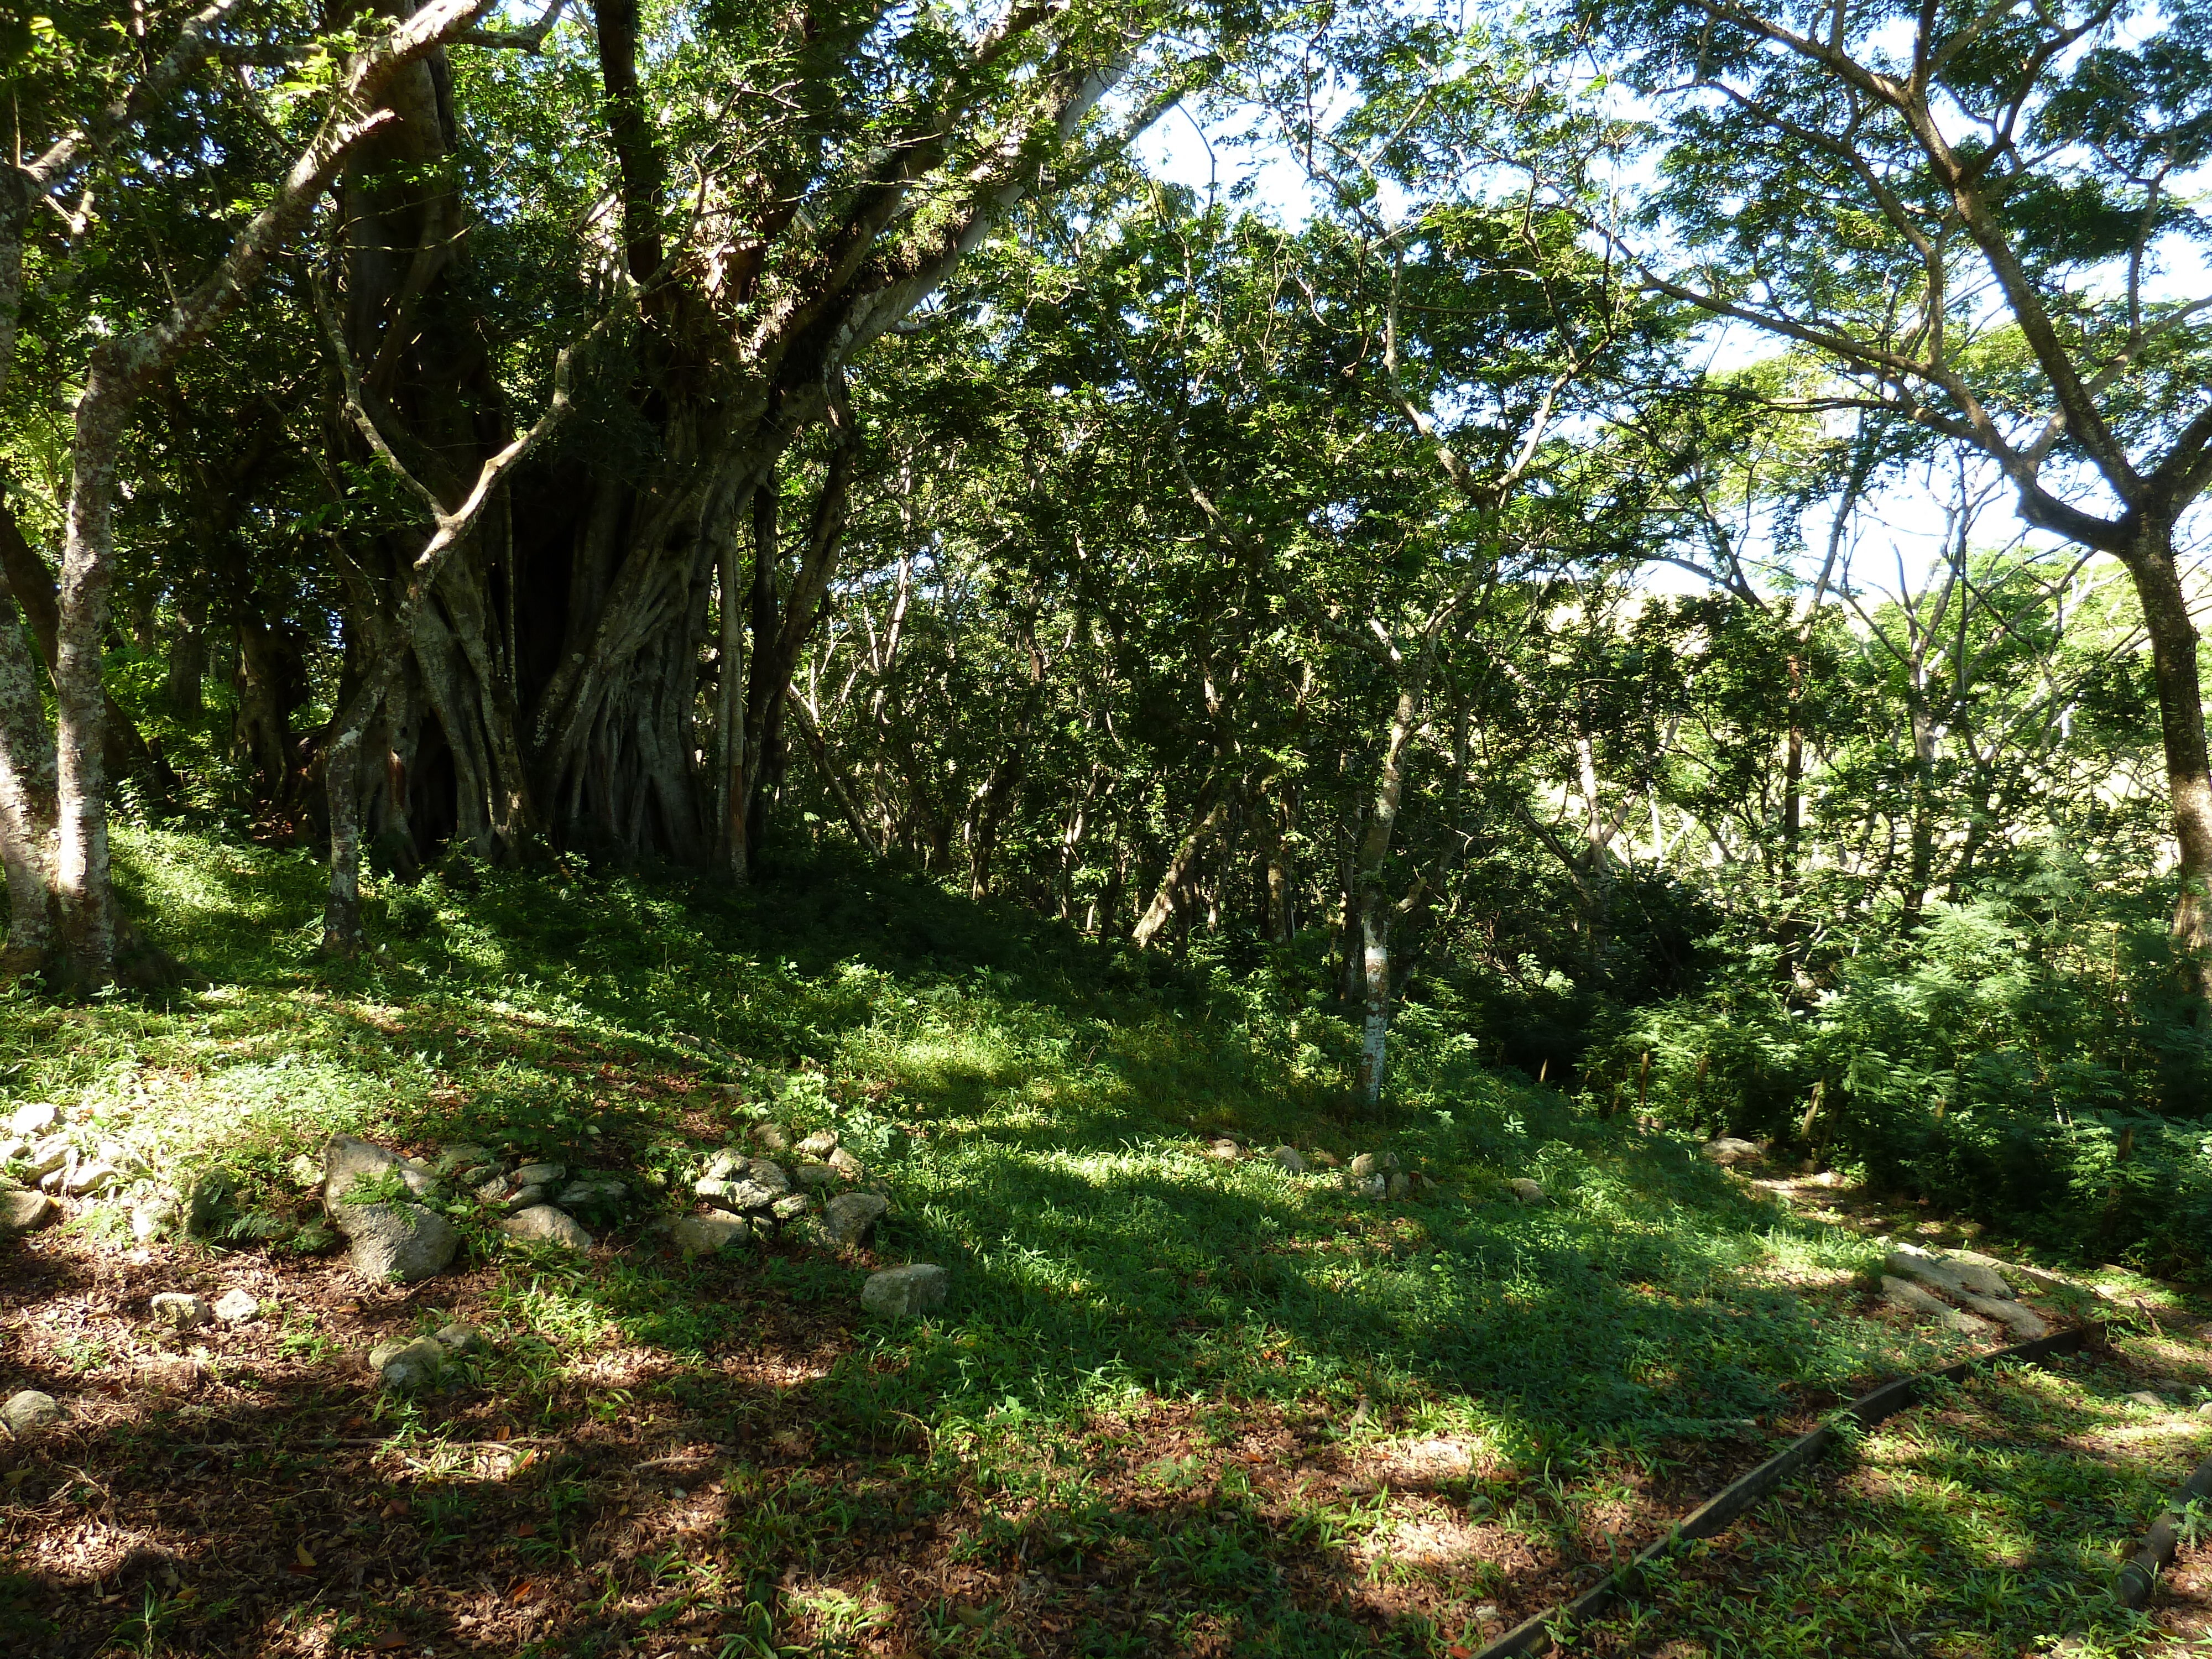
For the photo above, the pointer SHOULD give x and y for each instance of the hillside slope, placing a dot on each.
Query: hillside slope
(1174, 1401)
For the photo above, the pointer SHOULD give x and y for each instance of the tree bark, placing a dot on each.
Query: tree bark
(2181, 725)
(1375, 902)
(1188, 851)
(28, 808)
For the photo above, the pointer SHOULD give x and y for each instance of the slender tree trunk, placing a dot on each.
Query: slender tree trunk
(84, 895)
(2181, 724)
(26, 802)
(1375, 903)
(1193, 846)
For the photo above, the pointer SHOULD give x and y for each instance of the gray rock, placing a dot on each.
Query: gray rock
(347, 1160)
(899, 1292)
(756, 1185)
(90, 1180)
(723, 1164)
(1903, 1293)
(49, 1155)
(1289, 1158)
(703, 1235)
(492, 1191)
(1397, 1186)
(401, 1243)
(603, 1189)
(542, 1224)
(179, 1309)
(1224, 1150)
(540, 1174)
(155, 1219)
(202, 1201)
(236, 1307)
(34, 1117)
(2205, 1410)
(1527, 1191)
(411, 1364)
(771, 1137)
(2146, 1399)
(810, 1175)
(461, 1337)
(28, 1412)
(1367, 1166)
(11, 1149)
(846, 1166)
(791, 1206)
(819, 1145)
(1728, 1152)
(524, 1198)
(21, 1212)
(459, 1160)
(850, 1217)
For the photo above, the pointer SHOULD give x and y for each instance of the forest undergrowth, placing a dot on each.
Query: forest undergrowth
(1174, 1404)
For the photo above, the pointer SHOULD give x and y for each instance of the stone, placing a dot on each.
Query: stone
(458, 1160)
(48, 1156)
(1903, 1293)
(32, 1118)
(603, 1189)
(771, 1137)
(819, 1145)
(1397, 1186)
(1224, 1150)
(850, 1217)
(155, 1219)
(1327, 1161)
(524, 1198)
(791, 1206)
(810, 1175)
(492, 1191)
(21, 1212)
(1423, 1187)
(756, 1185)
(348, 1160)
(540, 1174)
(1948, 1274)
(461, 1337)
(723, 1164)
(899, 1292)
(235, 1307)
(847, 1167)
(29, 1411)
(410, 1365)
(11, 1150)
(1367, 1166)
(1527, 1191)
(180, 1310)
(1728, 1152)
(397, 1242)
(90, 1180)
(541, 1224)
(703, 1235)
(2147, 1399)
(1287, 1158)
(2205, 1410)
(203, 1198)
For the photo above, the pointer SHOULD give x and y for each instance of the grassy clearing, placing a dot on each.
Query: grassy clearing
(1989, 1522)
(1173, 1403)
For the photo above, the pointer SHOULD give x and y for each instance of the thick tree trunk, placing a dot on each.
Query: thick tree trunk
(2181, 725)
(185, 674)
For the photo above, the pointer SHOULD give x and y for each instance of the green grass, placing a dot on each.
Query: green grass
(1171, 1401)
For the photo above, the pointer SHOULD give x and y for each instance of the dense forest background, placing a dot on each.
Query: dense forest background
(1650, 544)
